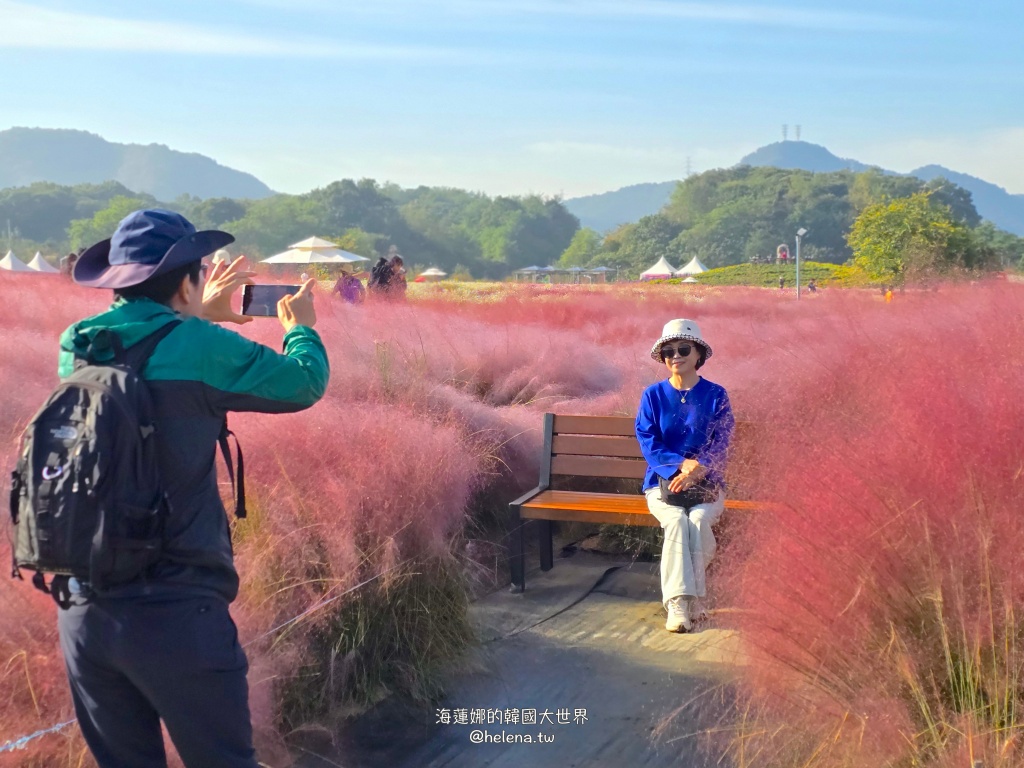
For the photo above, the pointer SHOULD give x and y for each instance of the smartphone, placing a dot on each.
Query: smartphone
(261, 300)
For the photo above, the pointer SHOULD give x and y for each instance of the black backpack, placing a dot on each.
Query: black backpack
(86, 497)
(380, 275)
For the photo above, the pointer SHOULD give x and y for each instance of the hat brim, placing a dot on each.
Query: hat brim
(93, 268)
(656, 349)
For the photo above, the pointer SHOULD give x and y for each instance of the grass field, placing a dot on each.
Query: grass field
(882, 606)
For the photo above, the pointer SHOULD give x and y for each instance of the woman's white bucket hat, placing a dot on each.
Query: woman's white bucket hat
(684, 330)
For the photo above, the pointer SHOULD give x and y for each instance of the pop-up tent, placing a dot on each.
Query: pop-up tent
(39, 264)
(430, 275)
(693, 268)
(12, 263)
(660, 271)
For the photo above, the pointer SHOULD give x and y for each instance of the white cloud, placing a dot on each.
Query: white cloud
(597, 151)
(28, 26)
(728, 13)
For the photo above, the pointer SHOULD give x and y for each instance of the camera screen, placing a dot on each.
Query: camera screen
(261, 300)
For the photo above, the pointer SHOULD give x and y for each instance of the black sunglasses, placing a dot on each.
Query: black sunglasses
(667, 353)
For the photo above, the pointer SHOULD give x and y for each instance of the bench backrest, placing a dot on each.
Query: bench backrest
(596, 446)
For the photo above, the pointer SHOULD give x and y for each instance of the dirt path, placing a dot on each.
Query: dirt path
(586, 640)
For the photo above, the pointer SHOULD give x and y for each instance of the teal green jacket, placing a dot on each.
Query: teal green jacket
(198, 374)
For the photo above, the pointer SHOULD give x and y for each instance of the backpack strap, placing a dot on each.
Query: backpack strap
(138, 354)
(106, 347)
(237, 488)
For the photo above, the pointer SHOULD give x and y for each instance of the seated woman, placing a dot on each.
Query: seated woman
(684, 426)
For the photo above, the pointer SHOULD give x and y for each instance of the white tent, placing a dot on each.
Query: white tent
(660, 271)
(313, 243)
(433, 272)
(314, 250)
(318, 256)
(690, 279)
(693, 268)
(39, 264)
(12, 263)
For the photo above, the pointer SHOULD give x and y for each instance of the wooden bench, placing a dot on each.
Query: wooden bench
(585, 446)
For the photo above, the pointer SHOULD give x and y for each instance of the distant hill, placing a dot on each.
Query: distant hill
(70, 157)
(609, 209)
(994, 203)
(606, 211)
(801, 155)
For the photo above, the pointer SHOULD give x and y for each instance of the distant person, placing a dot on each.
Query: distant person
(350, 289)
(221, 256)
(304, 277)
(684, 425)
(812, 286)
(67, 264)
(398, 284)
(888, 295)
(782, 283)
(380, 277)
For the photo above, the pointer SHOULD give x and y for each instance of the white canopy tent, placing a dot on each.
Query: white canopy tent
(315, 250)
(660, 271)
(693, 268)
(433, 272)
(12, 263)
(39, 264)
(691, 279)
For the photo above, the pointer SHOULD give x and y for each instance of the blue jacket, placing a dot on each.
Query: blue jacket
(672, 426)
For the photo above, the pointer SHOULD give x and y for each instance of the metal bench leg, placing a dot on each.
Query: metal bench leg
(545, 538)
(517, 554)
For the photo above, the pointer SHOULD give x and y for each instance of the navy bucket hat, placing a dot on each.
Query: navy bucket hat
(146, 244)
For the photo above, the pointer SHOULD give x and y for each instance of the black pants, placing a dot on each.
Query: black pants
(133, 663)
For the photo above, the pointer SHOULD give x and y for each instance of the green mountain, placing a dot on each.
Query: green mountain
(68, 157)
(608, 210)
(800, 156)
(994, 203)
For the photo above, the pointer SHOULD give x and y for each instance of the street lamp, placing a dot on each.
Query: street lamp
(799, 233)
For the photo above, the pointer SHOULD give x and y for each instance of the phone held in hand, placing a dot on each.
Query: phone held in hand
(261, 300)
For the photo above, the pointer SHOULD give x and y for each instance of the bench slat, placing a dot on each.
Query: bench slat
(617, 509)
(596, 466)
(582, 445)
(618, 426)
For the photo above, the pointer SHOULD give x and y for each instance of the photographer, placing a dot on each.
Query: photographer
(164, 647)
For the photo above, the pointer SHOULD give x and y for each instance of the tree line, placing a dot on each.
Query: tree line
(740, 215)
(455, 230)
(892, 226)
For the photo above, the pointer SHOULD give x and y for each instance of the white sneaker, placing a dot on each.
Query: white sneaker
(678, 615)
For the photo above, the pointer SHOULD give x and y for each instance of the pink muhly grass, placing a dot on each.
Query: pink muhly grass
(434, 410)
(879, 604)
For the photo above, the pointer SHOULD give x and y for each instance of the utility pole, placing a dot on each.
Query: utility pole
(799, 233)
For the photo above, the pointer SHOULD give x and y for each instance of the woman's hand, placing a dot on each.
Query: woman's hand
(691, 472)
(221, 284)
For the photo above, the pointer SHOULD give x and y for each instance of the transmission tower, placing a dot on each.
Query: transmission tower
(785, 131)
(689, 167)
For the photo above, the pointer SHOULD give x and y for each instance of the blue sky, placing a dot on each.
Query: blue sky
(513, 96)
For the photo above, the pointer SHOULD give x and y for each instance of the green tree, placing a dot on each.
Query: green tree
(912, 237)
(84, 232)
(636, 247)
(215, 212)
(584, 246)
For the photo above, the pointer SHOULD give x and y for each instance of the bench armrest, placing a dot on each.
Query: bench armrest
(527, 496)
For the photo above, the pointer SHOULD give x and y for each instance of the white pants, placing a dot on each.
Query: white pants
(689, 544)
